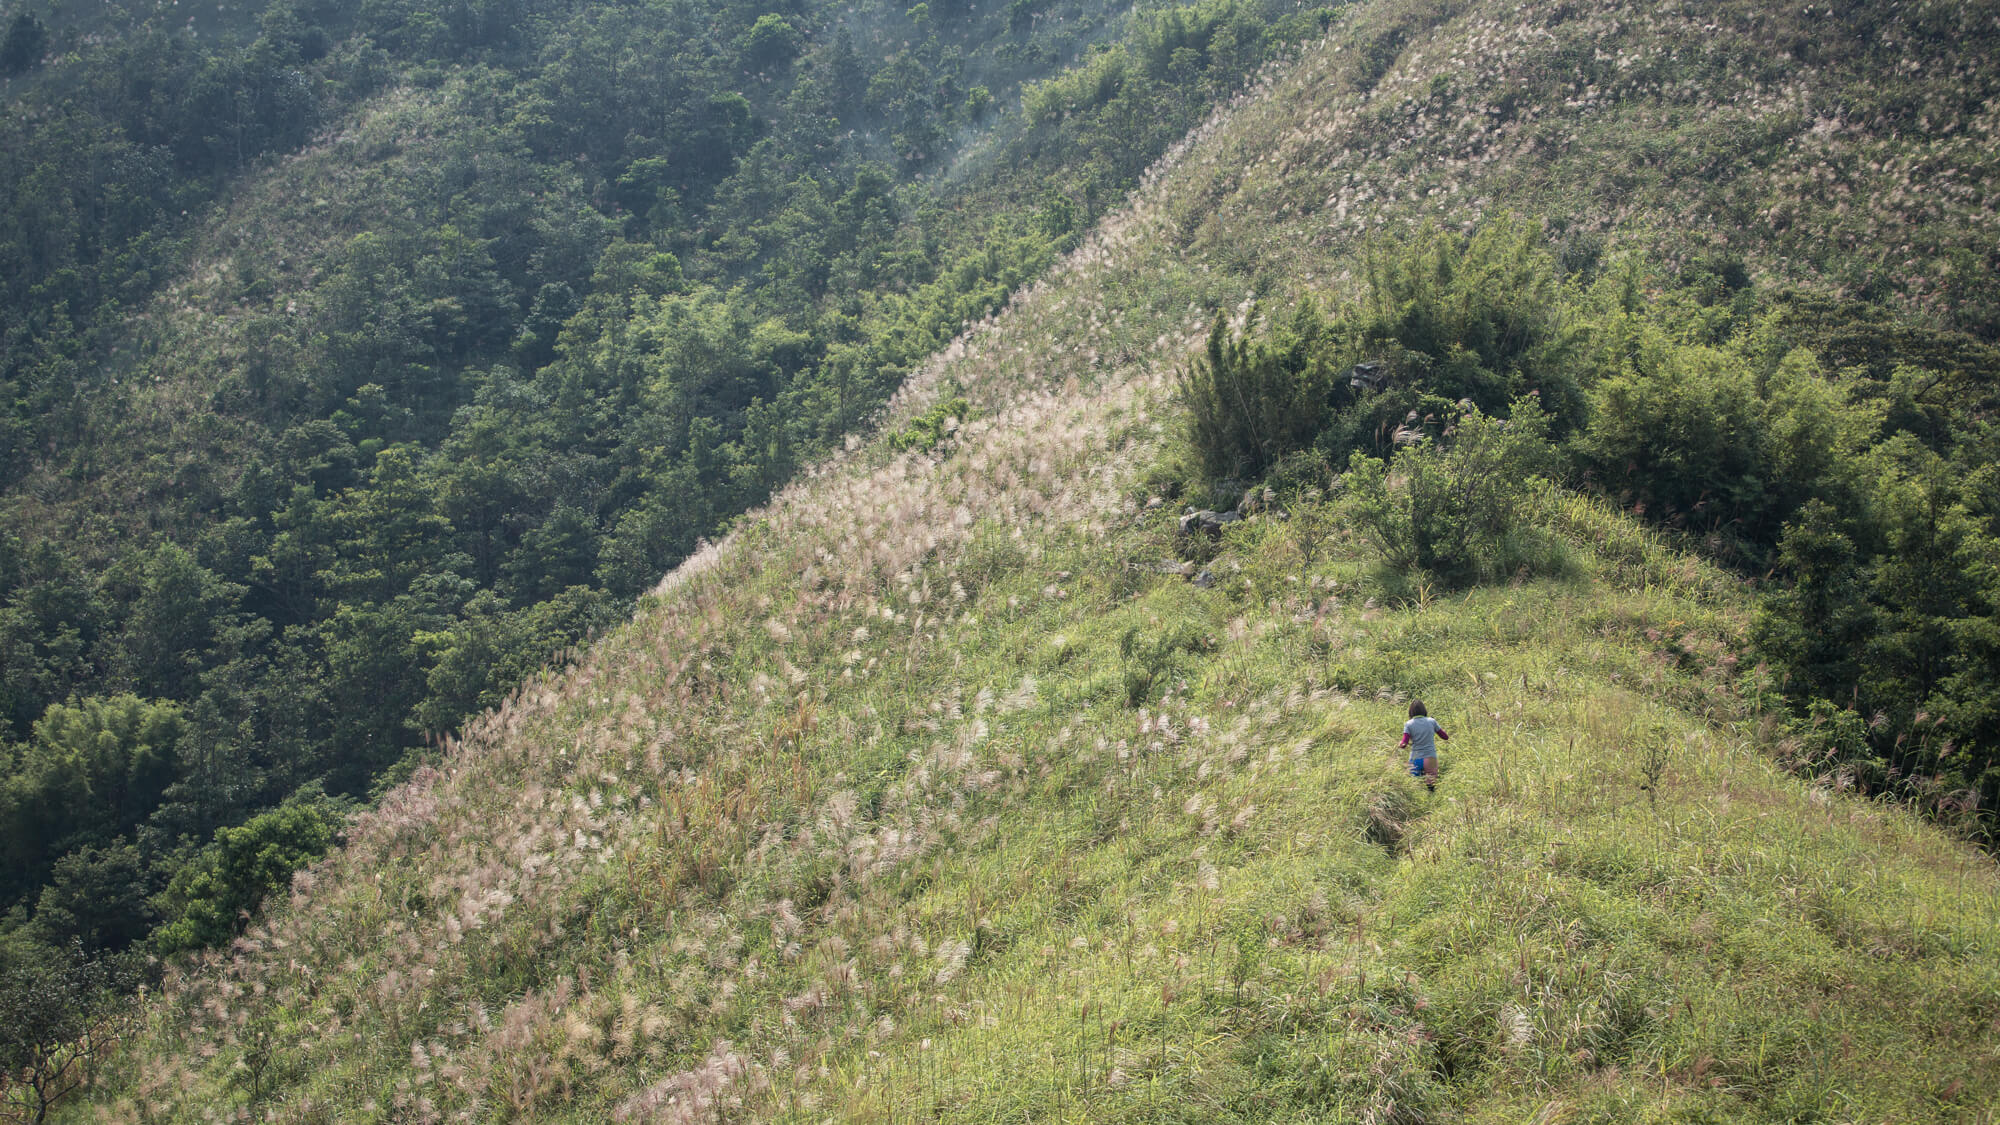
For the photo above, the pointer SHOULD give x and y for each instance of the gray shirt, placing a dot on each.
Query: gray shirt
(1422, 732)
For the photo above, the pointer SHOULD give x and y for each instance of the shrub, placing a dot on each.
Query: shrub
(1251, 402)
(60, 1015)
(1150, 662)
(95, 769)
(1492, 295)
(1679, 432)
(243, 865)
(1448, 320)
(1453, 507)
(1692, 435)
(1478, 316)
(926, 432)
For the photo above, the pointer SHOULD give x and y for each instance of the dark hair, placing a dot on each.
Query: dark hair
(1417, 709)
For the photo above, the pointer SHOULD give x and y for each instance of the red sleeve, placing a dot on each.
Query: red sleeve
(1443, 735)
(1406, 739)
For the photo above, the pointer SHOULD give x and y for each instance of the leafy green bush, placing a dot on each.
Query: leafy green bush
(213, 894)
(1453, 506)
(1447, 319)
(1152, 660)
(1695, 435)
(61, 1013)
(1482, 311)
(93, 770)
(936, 424)
(96, 899)
(1250, 401)
(1678, 432)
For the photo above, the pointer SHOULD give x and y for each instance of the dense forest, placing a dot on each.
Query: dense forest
(358, 358)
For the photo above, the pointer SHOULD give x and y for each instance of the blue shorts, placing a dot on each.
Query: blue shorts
(1417, 765)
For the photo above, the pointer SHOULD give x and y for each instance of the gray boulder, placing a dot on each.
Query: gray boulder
(1206, 522)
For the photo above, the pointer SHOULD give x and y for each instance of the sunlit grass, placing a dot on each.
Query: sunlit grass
(804, 841)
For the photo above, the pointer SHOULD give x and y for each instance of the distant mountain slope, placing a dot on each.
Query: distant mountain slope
(356, 360)
(928, 794)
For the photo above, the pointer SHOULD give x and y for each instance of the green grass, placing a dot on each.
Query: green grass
(1727, 134)
(948, 869)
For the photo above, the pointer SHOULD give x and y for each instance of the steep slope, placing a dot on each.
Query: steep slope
(926, 794)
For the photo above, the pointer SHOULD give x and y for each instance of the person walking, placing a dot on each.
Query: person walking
(1420, 737)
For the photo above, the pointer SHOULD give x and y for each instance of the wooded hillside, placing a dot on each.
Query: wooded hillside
(359, 359)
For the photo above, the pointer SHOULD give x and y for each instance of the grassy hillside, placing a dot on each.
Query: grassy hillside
(885, 811)
(1844, 150)
(927, 793)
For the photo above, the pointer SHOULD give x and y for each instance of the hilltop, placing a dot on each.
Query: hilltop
(931, 791)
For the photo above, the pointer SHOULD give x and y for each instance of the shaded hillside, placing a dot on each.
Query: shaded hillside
(1846, 150)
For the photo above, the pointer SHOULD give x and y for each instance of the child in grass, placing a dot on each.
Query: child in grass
(1419, 737)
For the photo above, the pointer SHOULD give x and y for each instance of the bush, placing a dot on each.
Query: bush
(95, 769)
(1448, 320)
(1479, 317)
(1150, 662)
(1452, 507)
(1692, 435)
(1679, 432)
(234, 874)
(928, 431)
(1251, 402)
(61, 1013)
